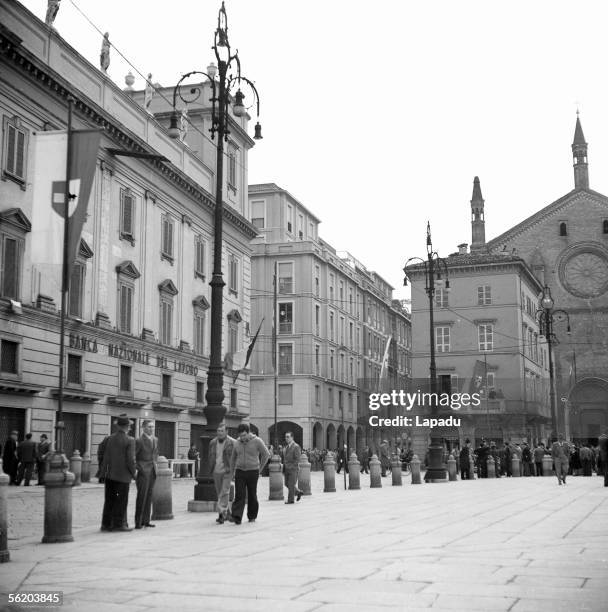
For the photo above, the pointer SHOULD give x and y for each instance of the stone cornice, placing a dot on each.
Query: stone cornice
(23, 60)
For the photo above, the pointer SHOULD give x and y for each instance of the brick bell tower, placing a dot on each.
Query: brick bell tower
(579, 156)
(478, 224)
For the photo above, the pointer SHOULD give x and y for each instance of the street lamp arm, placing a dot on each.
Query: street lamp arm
(238, 79)
(407, 263)
(193, 90)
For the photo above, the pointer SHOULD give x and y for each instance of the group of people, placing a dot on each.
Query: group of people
(123, 459)
(21, 459)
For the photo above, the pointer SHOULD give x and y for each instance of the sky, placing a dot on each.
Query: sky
(378, 115)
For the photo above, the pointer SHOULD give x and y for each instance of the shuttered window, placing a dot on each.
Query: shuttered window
(167, 237)
(126, 308)
(199, 257)
(166, 320)
(199, 333)
(10, 266)
(15, 151)
(76, 291)
(8, 356)
(127, 215)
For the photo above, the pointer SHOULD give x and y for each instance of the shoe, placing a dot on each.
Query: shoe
(149, 525)
(236, 521)
(220, 519)
(104, 528)
(138, 526)
(253, 520)
(298, 495)
(287, 502)
(123, 528)
(231, 519)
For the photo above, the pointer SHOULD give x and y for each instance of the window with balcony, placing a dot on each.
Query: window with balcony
(285, 317)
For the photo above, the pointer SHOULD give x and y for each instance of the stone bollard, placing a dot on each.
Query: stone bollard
(547, 465)
(354, 472)
(515, 466)
(58, 501)
(375, 478)
(4, 480)
(76, 467)
(491, 467)
(162, 502)
(304, 475)
(415, 467)
(85, 476)
(396, 471)
(452, 473)
(275, 480)
(329, 473)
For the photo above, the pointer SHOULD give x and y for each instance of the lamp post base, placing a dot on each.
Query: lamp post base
(436, 470)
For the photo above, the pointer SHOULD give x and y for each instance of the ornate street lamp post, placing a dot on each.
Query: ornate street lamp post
(432, 266)
(546, 316)
(223, 79)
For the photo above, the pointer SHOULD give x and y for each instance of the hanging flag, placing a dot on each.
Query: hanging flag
(50, 151)
(249, 351)
(384, 361)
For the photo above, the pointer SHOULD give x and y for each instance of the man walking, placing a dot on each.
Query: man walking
(465, 458)
(292, 465)
(560, 451)
(10, 463)
(385, 460)
(249, 456)
(603, 445)
(539, 453)
(27, 455)
(364, 459)
(146, 458)
(220, 456)
(44, 448)
(118, 468)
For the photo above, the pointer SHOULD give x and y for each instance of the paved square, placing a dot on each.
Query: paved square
(508, 544)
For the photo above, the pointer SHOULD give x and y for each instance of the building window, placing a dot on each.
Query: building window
(486, 336)
(442, 339)
(605, 226)
(441, 298)
(200, 392)
(340, 400)
(199, 332)
(484, 295)
(234, 403)
(301, 227)
(166, 320)
(289, 218)
(332, 373)
(74, 374)
(285, 318)
(124, 383)
(76, 290)
(232, 167)
(331, 326)
(490, 382)
(285, 359)
(350, 404)
(15, 150)
(125, 307)
(10, 271)
(317, 395)
(330, 399)
(317, 360)
(454, 383)
(166, 251)
(127, 216)
(233, 274)
(258, 214)
(165, 386)
(331, 287)
(199, 257)
(563, 229)
(317, 319)
(317, 281)
(285, 395)
(9, 354)
(286, 277)
(351, 338)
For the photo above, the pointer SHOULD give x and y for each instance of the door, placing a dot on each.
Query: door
(13, 419)
(165, 432)
(74, 433)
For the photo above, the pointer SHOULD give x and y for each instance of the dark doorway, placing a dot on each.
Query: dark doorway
(13, 419)
(165, 432)
(74, 433)
(282, 428)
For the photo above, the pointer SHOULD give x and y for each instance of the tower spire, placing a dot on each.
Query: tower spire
(579, 157)
(478, 224)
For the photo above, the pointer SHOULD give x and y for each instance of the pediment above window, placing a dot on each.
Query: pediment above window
(17, 218)
(168, 287)
(128, 269)
(234, 315)
(200, 302)
(85, 250)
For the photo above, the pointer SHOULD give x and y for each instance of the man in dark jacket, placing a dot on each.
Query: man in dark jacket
(385, 459)
(220, 456)
(482, 454)
(10, 463)
(465, 460)
(539, 453)
(146, 457)
(44, 448)
(26, 454)
(603, 445)
(118, 467)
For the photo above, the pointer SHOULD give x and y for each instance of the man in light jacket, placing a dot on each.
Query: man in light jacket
(560, 451)
(249, 456)
(220, 459)
(146, 458)
(291, 463)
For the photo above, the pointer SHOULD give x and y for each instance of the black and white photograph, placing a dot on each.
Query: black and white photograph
(345, 256)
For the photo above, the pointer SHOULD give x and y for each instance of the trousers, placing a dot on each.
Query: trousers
(116, 500)
(222, 488)
(291, 476)
(245, 483)
(143, 502)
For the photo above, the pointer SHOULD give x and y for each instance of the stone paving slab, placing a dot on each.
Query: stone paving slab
(504, 544)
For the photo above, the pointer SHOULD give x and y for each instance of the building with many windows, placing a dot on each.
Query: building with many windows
(334, 320)
(137, 332)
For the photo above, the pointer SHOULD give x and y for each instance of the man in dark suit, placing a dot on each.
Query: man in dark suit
(44, 448)
(465, 459)
(603, 445)
(119, 469)
(560, 452)
(385, 459)
(27, 454)
(146, 458)
(291, 463)
(10, 463)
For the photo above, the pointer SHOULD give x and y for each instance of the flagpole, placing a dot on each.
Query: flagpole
(275, 357)
(65, 280)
